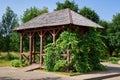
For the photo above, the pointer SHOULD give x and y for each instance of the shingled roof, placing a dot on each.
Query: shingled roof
(61, 17)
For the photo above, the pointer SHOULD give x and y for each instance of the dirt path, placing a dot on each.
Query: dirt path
(9, 73)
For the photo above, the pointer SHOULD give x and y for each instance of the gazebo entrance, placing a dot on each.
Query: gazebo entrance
(43, 33)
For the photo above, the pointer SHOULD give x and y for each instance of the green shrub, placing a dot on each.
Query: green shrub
(18, 63)
(15, 63)
(84, 52)
(24, 63)
(114, 60)
(49, 57)
(61, 65)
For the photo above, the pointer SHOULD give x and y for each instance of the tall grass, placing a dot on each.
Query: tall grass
(5, 58)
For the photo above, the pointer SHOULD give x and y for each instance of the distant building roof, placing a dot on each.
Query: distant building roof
(61, 17)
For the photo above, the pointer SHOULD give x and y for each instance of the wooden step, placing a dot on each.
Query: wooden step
(31, 67)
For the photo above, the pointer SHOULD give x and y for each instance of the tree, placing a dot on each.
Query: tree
(9, 21)
(105, 32)
(32, 12)
(90, 14)
(1, 43)
(114, 33)
(67, 4)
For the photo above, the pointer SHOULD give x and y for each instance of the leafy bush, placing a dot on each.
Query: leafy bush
(61, 65)
(15, 63)
(24, 63)
(18, 63)
(114, 60)
(50, 57)
(84, 52)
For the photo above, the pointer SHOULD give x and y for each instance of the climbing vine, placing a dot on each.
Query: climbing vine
(84, 52)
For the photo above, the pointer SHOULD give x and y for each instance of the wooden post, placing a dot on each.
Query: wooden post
(30, 46)
(41, 35)
(54, 36)
(54, 33)
(34, 49)
(41, 50)
(30, 49)
(21, 45)
(41, 47)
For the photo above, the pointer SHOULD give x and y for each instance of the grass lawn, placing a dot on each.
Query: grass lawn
(4, 63)
(4, 58)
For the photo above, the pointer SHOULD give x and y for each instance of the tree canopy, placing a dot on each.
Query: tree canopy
(33, 12)
(67, 4)
(114, 33)
(90, 14)
(9, 21)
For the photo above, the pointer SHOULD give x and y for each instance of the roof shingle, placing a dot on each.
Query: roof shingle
(61, 17)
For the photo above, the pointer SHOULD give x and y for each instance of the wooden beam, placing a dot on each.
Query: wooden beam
(45, 29)
(21, 45)
(30, 34)
(30, 49)
(41, 34)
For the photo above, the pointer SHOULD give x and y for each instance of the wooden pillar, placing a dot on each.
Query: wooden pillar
(41, 34)
(21, 45)
(41, 49)
(54, 36)
(30, 49)
(34, 48)
(30, 46)
(54, 33)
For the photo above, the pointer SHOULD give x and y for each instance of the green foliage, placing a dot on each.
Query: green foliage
(61, 65)
(32, 12)
(1, 42)
(81, 63)
(94, 47)
(24, 63)
(67, 4)
(90, 14)
(114, 33)
(50, 57)
(113, 60)
(15, 63)
(9, 57)
(105, 32)
(85, 52)
(15, 42)
(9, 21)
(18, 63)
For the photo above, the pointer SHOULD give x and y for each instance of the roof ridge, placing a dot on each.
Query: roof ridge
(70, 15)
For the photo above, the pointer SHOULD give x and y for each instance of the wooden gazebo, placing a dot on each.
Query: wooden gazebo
(51, 23)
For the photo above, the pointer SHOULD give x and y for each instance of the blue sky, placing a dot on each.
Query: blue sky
(104, 8)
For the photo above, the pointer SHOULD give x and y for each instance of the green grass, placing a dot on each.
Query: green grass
(4, 61)
(113, 60)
